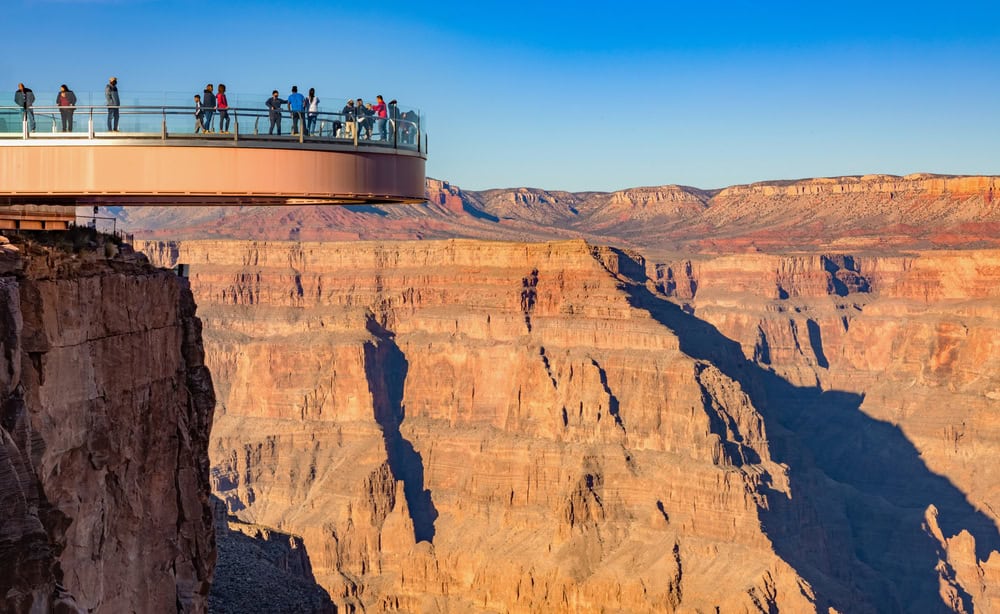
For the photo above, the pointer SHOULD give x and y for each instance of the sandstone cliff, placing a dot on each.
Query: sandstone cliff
(104, 420)
(474, 426)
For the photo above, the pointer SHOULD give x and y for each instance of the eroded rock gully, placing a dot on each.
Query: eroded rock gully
(105, 409)
(472, 426)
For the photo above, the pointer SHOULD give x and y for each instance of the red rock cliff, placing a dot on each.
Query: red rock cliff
(104, 421)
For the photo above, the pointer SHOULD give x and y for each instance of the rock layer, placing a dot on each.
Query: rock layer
(879, 212)
(562, 427)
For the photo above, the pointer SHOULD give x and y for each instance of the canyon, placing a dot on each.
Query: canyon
(468, 425)
(772, 397)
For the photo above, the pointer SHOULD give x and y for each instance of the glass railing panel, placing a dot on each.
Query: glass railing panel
(179, 119)
(172, 113)
(10, 121)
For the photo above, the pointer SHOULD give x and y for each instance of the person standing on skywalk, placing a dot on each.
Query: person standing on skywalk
(24, 98)
(113, 102)
(274, 104)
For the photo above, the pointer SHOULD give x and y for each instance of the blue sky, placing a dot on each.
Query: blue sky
(573, 95)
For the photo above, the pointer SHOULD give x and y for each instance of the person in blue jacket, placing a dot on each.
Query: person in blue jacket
(297, 106)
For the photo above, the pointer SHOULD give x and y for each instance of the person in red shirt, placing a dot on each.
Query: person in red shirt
(66, 101)
(222, 104)
(381, 114)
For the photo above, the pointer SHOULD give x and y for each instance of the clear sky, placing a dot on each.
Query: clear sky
(573, 95)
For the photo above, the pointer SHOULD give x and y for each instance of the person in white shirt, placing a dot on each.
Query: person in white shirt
(312, 111)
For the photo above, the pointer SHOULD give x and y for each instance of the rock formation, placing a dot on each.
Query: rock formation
(262, 570)
(104, 420)
(845, 214)
(480, 426)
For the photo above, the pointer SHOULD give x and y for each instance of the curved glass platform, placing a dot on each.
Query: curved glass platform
(163, 155)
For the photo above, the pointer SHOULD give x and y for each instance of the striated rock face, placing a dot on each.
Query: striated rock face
(104, 421)
(916, 336)
(474, 426)
(846, 214)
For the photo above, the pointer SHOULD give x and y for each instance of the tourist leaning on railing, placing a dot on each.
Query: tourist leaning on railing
(274, 104)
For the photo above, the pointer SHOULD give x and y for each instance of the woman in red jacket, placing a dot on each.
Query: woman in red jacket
(222, 104)
(381, 114)
(66, 101)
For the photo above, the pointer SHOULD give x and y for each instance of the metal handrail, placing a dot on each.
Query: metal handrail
(399, 133)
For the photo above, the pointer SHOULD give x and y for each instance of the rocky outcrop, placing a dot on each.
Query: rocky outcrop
(262, 570)
(106, 409)
(561, 427)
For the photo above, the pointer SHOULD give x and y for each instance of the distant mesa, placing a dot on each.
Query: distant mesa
(870, 212)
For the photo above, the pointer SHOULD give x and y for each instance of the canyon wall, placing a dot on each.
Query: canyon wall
(477, 426)
(916, 337)
(105, 410)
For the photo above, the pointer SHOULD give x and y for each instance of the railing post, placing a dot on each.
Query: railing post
(418, 139)
(24, 124)
(90, 124)
(357, 129)
(163, 129)
(236, 122)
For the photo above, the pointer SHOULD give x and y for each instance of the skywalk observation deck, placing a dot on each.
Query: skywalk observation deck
(157, 158)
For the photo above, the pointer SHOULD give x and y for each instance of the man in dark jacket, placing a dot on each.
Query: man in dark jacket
(394, 116)
(208, 108)
(274, 105)
(112, 100)
(409, 120)
(364, 119)
(24, 98)
(350, 119)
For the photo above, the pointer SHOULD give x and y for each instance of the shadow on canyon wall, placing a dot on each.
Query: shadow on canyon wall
(385, 368)
(853, 525)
